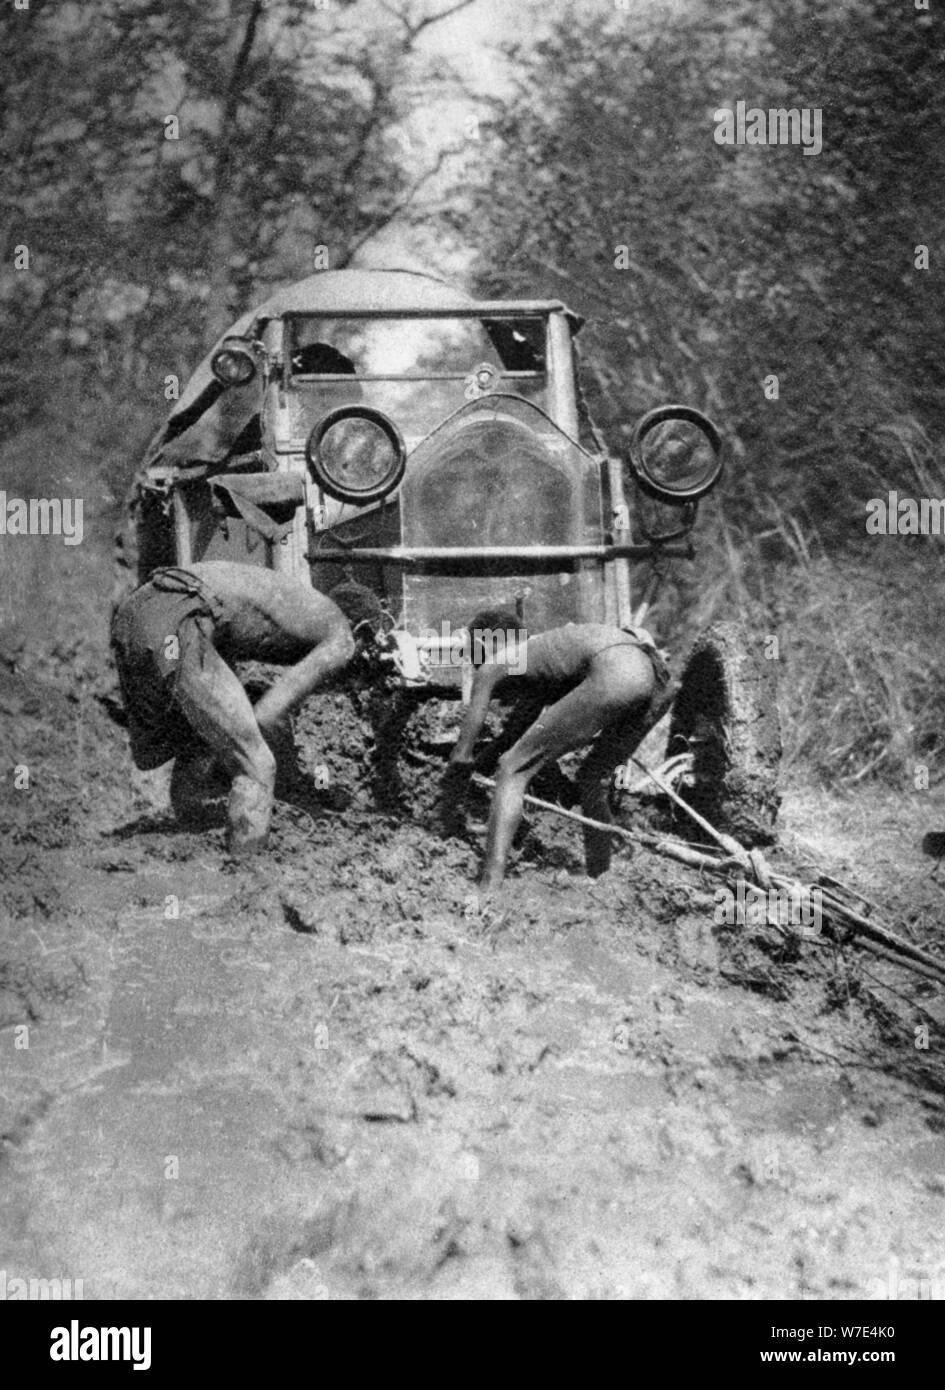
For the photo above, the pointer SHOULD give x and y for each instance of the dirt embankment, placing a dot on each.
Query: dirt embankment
(328, 1075)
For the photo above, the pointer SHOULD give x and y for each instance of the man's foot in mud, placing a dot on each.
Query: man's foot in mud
(243, 847)
(485, 908)
(249, 812)
(492, 888)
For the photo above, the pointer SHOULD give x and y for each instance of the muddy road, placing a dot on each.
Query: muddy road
(327, 1075)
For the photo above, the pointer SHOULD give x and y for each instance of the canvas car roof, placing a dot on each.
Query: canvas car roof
(328, 292)
(350, 291)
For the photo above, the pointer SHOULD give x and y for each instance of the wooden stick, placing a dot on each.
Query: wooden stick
(676, 850)
(883, 952)
(886, 938)
(484, 781)
(730, 845)
(837, 910)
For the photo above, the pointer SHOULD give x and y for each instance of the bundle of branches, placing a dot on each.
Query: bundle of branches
(842, 910)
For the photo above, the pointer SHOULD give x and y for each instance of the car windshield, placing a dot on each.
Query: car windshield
(417, 370)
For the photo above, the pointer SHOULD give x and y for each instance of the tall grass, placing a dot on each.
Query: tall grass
(860, 629)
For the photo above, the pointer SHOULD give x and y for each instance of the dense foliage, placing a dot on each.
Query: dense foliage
(742, 262)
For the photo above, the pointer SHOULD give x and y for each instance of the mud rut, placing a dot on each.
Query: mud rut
(328, 1077)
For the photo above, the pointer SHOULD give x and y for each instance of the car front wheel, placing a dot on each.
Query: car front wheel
(726, 717)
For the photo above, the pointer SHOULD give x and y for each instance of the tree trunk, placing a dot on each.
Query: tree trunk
(224, 240)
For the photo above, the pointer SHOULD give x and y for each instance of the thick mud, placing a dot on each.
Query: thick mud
(327, 1074)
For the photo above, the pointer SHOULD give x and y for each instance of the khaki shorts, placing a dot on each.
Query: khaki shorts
(154, 632)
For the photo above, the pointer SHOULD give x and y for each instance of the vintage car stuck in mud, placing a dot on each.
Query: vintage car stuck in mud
(385, 430)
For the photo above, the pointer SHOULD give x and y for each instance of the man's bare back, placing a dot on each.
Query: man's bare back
(266, 616)
(176, 639)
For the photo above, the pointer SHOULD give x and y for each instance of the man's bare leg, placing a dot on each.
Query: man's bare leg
(612, 747)
(569, 723)
(615, 696)
(216, 706)
(508, 802)
(624, 680)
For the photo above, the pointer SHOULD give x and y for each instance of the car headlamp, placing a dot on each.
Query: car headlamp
(356, 454)
(234, 364)
(676, 454)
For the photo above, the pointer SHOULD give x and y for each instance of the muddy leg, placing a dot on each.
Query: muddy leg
(217, 708)
(625, 687)
(613, 746)
(569, 723)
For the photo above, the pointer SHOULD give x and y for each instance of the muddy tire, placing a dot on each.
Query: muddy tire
(726, 715)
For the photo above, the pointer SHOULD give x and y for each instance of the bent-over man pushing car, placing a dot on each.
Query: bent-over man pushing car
(175, 641)
(583, 683)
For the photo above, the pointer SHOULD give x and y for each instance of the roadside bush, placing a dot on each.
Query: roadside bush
(860, 645)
